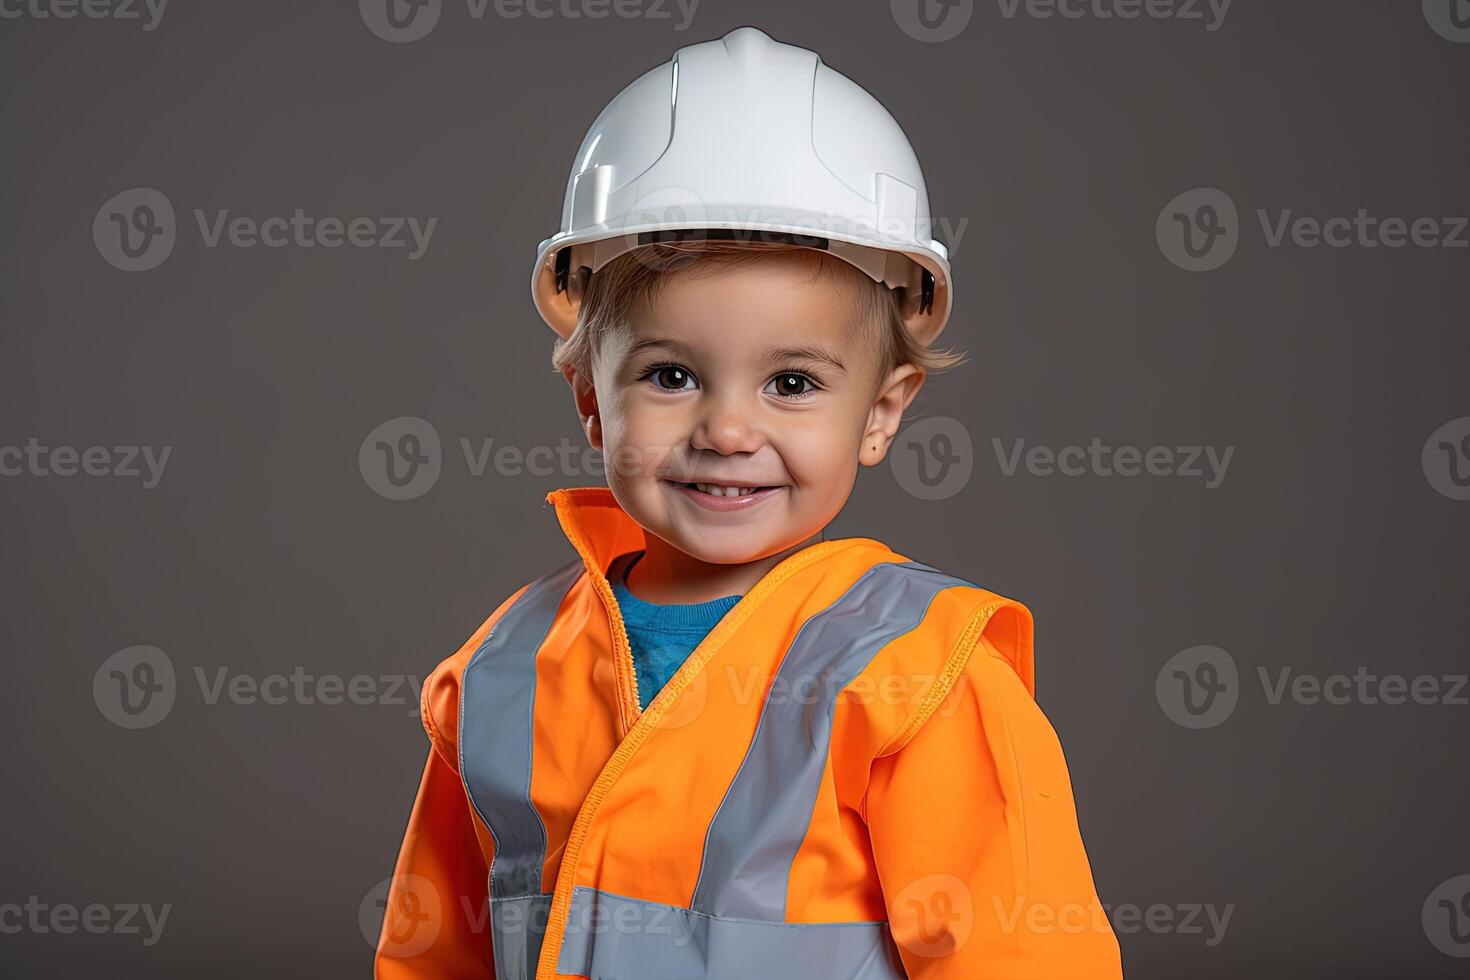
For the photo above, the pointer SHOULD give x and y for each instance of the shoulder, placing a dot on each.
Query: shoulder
(994, 625)
(961, 632)
(440, 699)
(965, 612)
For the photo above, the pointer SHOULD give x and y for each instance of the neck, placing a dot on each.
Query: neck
(667, 575)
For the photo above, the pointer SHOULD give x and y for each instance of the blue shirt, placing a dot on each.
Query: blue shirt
(662, 636)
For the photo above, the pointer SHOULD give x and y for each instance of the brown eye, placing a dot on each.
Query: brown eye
(792, 384)
(671, 376)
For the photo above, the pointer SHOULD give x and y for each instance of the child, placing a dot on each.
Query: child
(715, 744)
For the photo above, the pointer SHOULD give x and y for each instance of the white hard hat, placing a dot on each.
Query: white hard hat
(750, 139)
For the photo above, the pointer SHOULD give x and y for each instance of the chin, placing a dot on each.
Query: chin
(726, 546)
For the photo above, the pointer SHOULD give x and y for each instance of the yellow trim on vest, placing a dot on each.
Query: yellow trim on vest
(954, 666)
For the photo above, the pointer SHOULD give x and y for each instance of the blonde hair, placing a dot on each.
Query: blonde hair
(628, 286)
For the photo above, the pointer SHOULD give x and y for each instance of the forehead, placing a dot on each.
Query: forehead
(781, 300)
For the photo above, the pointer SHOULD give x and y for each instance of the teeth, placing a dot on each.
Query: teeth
(716, 490)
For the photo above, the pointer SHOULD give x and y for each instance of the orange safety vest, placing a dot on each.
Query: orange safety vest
(849, 777)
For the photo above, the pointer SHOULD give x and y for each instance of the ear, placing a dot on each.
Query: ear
(585, 398)
(894, 394)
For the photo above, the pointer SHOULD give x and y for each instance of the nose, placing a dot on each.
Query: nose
(726, 427)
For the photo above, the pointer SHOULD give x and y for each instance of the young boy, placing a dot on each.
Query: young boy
(715, 744)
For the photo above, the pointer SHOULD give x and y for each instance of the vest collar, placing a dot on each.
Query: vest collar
(596, 525)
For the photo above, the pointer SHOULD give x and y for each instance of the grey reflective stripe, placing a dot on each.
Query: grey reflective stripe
(761, 822)
(609, 936)
(517, 927)
(497, 693)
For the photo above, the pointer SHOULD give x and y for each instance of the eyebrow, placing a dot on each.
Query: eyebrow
(773, 355)
(804, 354)
(647, 343)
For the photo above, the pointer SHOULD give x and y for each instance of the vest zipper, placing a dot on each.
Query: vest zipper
(624, 672)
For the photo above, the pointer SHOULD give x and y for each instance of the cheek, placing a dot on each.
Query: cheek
(643, 435)
(819, 451)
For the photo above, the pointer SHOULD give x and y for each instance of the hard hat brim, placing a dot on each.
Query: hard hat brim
(866, 249)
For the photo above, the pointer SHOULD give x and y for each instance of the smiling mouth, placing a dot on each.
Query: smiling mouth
(722, 490)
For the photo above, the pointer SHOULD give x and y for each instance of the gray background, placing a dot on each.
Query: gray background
(264, 549)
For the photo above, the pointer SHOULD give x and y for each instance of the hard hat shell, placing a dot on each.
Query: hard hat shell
(747, 138)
